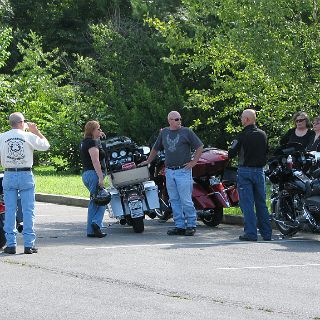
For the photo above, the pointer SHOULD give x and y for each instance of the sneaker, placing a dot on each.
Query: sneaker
(10, 250)
(176, 232)
(190, 231)
(30, 250)
(244, 237)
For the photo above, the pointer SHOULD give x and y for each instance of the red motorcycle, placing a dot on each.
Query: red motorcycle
(214, 186)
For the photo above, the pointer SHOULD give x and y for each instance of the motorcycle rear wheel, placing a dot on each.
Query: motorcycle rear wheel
(281, 219)
(138, 224)
(215, 218)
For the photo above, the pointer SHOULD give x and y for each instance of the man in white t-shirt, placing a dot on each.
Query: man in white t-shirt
(16, 154)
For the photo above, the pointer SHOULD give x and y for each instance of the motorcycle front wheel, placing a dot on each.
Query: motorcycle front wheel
(138, 224)
(282, 216)
(215, 218)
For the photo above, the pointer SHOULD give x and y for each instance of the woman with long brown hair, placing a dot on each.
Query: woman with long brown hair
(94, 169)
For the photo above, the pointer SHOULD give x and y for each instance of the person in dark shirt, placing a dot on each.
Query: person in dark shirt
(177, 142)
(251, 146)
(301, 133)
(314, 143)
(94, 170)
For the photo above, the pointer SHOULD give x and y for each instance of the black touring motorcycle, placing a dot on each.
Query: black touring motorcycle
(295, 189)
(133, 195)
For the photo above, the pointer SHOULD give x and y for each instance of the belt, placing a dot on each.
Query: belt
(176, 168)
(18, 169)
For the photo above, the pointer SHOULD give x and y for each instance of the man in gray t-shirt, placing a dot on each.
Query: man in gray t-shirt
(178, 142)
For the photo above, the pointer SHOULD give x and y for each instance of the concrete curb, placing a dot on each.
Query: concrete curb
(83, 203)
(232, 219)
(65, 200)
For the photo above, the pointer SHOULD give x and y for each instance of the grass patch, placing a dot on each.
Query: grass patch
(52, 182)
(233, 211)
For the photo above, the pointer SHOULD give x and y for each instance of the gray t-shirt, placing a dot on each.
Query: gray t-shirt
(177, 145)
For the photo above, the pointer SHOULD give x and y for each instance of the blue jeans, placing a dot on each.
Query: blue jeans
(21, 182)
(252, 193)
(179, 186)
(95, 213)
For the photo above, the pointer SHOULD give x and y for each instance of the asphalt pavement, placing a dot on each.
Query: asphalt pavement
(154, 276)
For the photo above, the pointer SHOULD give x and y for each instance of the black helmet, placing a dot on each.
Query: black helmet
(102, 197)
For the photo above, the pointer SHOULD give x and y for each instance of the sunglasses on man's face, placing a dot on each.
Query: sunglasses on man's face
(300, 120)
(177, 119)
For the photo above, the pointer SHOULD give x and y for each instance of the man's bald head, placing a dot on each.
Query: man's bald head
(15, 119)
(248, 117)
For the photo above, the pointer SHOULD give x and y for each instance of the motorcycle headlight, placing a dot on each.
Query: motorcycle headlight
(114, 155)
(123, 153)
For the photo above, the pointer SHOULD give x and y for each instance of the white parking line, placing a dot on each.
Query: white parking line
(270, 267)
(182, 244)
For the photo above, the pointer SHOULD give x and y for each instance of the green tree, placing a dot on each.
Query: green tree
(236, 53)
(64, 23)
(129, 76)
(47, 97)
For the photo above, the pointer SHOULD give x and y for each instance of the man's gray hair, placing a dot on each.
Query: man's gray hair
(15, 118)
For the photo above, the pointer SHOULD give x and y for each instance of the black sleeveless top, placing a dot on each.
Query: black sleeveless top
(85, 145)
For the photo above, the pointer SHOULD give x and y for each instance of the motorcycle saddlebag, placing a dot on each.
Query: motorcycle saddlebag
(116, 204)
(151, 192)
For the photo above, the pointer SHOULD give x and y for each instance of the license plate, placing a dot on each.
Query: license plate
(136, 208)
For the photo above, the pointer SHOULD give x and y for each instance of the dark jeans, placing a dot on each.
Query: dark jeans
(252, 193)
